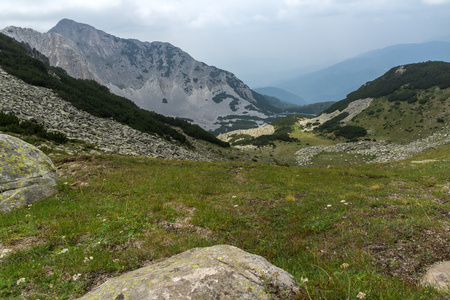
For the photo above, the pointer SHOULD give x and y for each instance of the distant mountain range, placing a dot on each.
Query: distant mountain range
(335, 82)
(156, 76)
(282, 95)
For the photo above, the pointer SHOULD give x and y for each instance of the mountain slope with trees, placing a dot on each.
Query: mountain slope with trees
(156, 76)
(409, 102)
(94, 98)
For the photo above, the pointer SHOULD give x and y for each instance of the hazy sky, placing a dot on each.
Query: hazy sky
(260, 41)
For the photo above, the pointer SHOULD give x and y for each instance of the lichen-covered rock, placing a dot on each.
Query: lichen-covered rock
(26, 174)
(218, 272)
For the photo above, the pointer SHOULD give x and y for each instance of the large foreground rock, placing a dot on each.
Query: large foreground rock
(218, 272)
(26, 174)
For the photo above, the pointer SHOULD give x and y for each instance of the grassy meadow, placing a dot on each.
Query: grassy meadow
(366, 230)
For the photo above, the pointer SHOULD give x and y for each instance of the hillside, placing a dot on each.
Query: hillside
(93, 98)
(156, 76)
(400, 114)
(335, 82)
(408, 102)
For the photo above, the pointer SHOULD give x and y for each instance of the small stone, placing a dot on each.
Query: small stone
(438, 276)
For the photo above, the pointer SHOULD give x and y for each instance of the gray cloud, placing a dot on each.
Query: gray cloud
(258, 40)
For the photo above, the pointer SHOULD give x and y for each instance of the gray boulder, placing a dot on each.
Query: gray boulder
(218, 272)
(26, 174)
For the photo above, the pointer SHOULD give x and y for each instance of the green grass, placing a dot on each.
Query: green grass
(112, 214)
(309, 138)
(403, 122)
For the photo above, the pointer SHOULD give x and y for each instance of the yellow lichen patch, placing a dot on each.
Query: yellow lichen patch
(375, 187)
(28, 174)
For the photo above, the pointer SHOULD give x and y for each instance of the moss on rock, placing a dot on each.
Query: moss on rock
(26, 174)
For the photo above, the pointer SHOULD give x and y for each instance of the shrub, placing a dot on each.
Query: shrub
(351, 132)
(11, 123)
(332, 124)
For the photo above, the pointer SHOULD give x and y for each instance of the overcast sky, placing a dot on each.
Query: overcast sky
(260, 41)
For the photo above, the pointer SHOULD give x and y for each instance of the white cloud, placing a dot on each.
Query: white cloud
(312, 8)
(152, 10)
(202, 14)
(47, 6)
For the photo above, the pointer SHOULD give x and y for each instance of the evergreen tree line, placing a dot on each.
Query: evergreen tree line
(349, 132)
(94, 98)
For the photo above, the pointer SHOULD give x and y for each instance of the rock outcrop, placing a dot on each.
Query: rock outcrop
(42, 106)
(254, 132)
(218, 272)
(26, 174)
(380, 151)
(353, 109)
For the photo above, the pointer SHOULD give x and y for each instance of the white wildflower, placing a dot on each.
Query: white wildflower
(21, 280)
(75, 277)
(4, 252)
(304, 280)
(63, 251)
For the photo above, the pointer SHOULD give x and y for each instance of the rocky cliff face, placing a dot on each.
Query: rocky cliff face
(156, 76)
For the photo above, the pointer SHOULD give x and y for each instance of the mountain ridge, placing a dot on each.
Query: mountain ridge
(94, 98)
(156, 76)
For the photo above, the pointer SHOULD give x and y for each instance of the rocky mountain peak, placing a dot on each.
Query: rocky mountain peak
(156, 76)
(61, 51)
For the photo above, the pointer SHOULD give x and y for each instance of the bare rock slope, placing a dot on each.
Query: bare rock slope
(42, 106)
